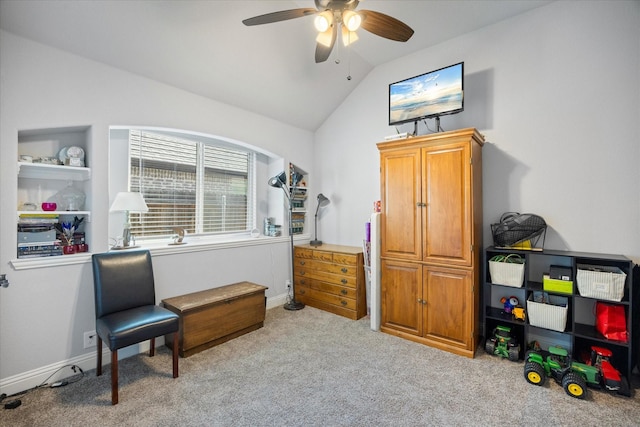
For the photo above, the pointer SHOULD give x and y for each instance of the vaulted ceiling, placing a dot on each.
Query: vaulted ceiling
(202, 46)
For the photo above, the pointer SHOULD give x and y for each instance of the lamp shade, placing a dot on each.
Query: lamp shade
(129, 201)
(323, 200)
(351, 20)
(279, 180)
(323, 21)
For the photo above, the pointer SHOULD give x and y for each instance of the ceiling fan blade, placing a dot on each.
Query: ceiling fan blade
(385, 26)
(282, 15)
(323, 51)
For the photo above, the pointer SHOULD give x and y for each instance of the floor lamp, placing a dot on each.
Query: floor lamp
(280, 181)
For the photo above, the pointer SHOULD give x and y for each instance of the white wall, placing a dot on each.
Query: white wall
(44, 311)
(555, 91)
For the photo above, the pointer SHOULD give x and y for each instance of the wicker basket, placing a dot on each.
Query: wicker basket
(601, 282)
(549, 316)
(507, 270)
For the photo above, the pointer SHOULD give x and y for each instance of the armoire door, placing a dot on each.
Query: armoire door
(449, 306)
(401, 297)
(401, 226)
(447, 216)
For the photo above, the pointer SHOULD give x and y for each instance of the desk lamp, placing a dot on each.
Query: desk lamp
(322, 202)
(127, 201)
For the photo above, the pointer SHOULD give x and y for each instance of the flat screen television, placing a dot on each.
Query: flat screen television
(433, 94)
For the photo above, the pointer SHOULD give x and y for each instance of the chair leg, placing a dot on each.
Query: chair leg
(99, 350)
(152, 350)
(175, 355)
(114, 377)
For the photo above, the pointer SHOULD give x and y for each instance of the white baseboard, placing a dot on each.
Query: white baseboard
(50, 373)
(31, 379)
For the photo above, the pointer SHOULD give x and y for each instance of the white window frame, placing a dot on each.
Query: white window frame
(193, 156)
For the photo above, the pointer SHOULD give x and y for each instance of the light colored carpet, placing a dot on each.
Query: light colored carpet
(312, 368)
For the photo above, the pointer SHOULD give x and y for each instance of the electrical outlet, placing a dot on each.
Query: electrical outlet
(90, 339)
(287, 284)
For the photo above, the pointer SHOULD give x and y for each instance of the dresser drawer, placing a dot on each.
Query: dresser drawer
(327, 267)
(341, 291)
(307, 292)
(348, 259)
(320, 255)
(338, 279)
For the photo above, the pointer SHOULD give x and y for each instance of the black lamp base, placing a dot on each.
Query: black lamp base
(316, 242)
(294, 305)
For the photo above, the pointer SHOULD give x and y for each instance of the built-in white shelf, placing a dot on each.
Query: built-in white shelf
(46, 171)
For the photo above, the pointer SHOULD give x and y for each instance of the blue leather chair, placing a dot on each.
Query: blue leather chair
(126, 310)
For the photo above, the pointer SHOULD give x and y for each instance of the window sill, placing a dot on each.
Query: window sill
(193, 244)
(199, 244)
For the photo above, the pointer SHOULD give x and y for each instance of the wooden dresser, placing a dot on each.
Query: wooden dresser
(331, 278)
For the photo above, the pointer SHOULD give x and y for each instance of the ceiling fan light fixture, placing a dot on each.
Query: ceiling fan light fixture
(351, 20)
(323, 21)
(331, 14)
(348, 37)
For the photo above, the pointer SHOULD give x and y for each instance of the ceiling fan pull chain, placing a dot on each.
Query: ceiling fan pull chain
(349, 58)
(339, 31)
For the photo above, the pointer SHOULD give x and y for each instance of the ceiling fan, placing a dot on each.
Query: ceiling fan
(339, 15)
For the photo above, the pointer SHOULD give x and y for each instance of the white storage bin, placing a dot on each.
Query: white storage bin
(550, 316)
(601, 282)
(507, 273)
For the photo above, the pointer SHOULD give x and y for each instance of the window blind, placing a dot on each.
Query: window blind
(194, 185)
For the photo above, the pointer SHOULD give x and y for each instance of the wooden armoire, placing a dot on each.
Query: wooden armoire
(431, 239)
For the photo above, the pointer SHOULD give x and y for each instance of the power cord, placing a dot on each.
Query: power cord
(14, 403)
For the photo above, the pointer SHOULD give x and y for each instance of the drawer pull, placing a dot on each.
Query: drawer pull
(343, 292)
(301, 262)
(301, 291)
(344, 270)
(302, 282)
(344, 281)
(343, 302)
(302, 273)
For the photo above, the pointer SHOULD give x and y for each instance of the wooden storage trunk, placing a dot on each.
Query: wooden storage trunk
(214, 316)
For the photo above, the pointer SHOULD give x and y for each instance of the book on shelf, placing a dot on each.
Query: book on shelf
(40, 219)
(35, 227)
(39, 249)
(39, 215)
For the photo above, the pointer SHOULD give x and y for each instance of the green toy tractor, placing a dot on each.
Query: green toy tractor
(503, 344)
(573, 376)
